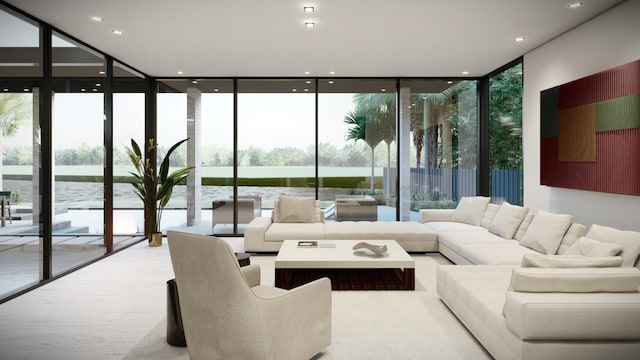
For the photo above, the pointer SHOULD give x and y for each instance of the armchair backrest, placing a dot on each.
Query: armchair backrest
(218, 307)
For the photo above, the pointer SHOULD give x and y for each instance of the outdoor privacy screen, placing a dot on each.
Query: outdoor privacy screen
(590, 132)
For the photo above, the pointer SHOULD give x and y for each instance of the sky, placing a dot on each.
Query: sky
(264, 120)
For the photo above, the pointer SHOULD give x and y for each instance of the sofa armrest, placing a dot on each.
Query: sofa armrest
(573, 316)
(254, 233)
(429, 215)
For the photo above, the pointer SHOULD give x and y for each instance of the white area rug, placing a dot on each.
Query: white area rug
(369, 324)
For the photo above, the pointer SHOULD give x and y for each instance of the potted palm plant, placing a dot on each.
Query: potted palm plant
(153, 187)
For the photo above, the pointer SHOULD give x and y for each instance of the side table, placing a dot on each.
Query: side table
(175, 330)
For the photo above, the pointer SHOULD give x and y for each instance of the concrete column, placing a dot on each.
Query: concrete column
(194, 180)
(404, 134)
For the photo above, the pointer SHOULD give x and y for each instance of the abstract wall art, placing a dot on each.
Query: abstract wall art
(590, 132)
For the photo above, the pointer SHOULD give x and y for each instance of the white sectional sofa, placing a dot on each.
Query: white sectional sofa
(527, 285)
(542, 289)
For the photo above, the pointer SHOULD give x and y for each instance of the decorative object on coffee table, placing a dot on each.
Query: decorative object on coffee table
(377, 250)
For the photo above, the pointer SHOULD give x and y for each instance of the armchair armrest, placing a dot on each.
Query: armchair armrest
(429, 215)
(251, 274)
(306, 323)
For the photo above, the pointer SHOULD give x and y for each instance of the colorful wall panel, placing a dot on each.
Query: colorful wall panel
(590, 132)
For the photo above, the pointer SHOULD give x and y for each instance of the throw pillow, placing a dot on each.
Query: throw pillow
(489, 214)
(507, 220)
(470, 210)
(629, 240)
(524, 225)
(575, 280)
(296, 209)
(589, 247)
(569, 261)
(546, 231)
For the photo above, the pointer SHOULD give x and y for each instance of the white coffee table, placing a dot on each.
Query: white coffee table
(348, 269)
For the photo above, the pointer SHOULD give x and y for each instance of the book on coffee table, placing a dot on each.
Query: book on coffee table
(307, 244)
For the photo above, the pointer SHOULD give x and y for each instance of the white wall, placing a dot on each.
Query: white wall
(608, 40)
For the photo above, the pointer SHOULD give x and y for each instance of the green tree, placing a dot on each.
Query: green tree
(15, 109)
(505, 119)
(364, 126)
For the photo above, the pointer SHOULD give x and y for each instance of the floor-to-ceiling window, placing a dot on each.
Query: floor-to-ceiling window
(78, 118)
(357, 145)
(276, 138)
(439, 143)
(505, 134)
(20, 80)
(128, 123)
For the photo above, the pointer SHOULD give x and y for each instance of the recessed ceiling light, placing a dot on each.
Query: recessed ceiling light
(307, 72)
(330, 81)
(98, 84)
(309, 24)
(449, 82)
(101, 72)
(294, 89)
(180, 72)
(575, 4)
(308, 9)
(117, 32)
(465, 73)
(5, 89)
(194, 81)
(383, 89)
(306, 89)
(26, 90)
(95, 89)
(519, 39)
(216, 89)
(97, 18)
(308, 81)
(332, 72)
(83, 89)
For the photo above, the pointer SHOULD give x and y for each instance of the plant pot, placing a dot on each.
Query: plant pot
(156, 239)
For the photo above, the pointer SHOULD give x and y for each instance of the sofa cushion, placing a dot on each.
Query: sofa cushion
(456, 239)
(470, 210)
(575, 232)
(296, 209)
(294, 231)
(524, 225)
(575, 280)
(629, 240)
(570, 261)
(489, 214)
(590, 247)
(444, 226)
(546, 231)
(565, 317)
(507, 220)
(507, 252)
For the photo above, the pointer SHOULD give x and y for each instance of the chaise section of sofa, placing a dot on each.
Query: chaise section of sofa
(543, 324)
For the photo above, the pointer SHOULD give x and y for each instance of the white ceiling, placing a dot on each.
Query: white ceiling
(353, 38)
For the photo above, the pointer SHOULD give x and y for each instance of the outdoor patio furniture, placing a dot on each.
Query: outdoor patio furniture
(355, 208)
(5, 207)
(249, 207)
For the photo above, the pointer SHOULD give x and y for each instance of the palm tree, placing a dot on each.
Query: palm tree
(364, 127)
(15, 109)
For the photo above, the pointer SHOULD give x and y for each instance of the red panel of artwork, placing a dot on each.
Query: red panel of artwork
(616, 82)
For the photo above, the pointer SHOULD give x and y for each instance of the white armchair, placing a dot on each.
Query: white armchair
(227, 314)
